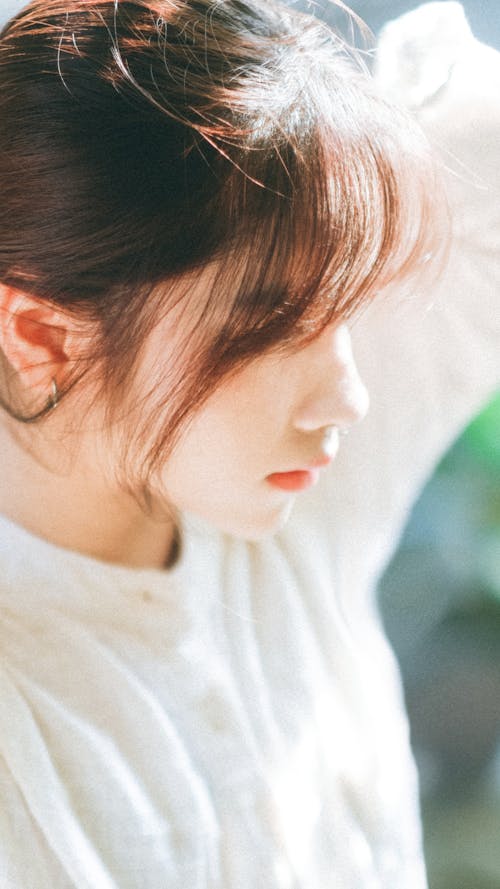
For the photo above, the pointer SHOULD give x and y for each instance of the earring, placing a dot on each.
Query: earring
(54, 396)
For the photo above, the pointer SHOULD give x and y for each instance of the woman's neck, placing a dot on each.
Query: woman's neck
(73, 507)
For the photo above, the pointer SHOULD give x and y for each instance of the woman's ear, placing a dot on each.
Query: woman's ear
(34, 337)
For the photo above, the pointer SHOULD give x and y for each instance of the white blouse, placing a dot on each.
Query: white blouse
(237, 722)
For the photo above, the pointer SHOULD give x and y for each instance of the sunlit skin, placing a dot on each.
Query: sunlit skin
(280, 414)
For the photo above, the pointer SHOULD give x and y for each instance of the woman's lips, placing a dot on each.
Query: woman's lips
(298, 480)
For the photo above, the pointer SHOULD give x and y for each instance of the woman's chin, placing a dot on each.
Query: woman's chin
(260, 517)
(258, 526)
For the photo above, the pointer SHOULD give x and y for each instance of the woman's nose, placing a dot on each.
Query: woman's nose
(337, 396)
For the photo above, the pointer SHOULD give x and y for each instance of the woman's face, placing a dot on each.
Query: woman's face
(281, 414)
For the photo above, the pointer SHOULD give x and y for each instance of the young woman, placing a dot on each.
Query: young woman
(197, 201)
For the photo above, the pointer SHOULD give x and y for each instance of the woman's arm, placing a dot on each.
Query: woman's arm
(431, 360)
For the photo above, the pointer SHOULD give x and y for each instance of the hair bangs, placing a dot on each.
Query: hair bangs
(355, 206)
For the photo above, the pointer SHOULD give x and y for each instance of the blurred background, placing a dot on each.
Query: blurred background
(440, 598)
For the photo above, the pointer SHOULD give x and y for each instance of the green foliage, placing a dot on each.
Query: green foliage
(449, 555)
(480, 443)
(472, 466)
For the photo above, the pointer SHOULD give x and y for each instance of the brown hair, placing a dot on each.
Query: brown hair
(141, 140)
